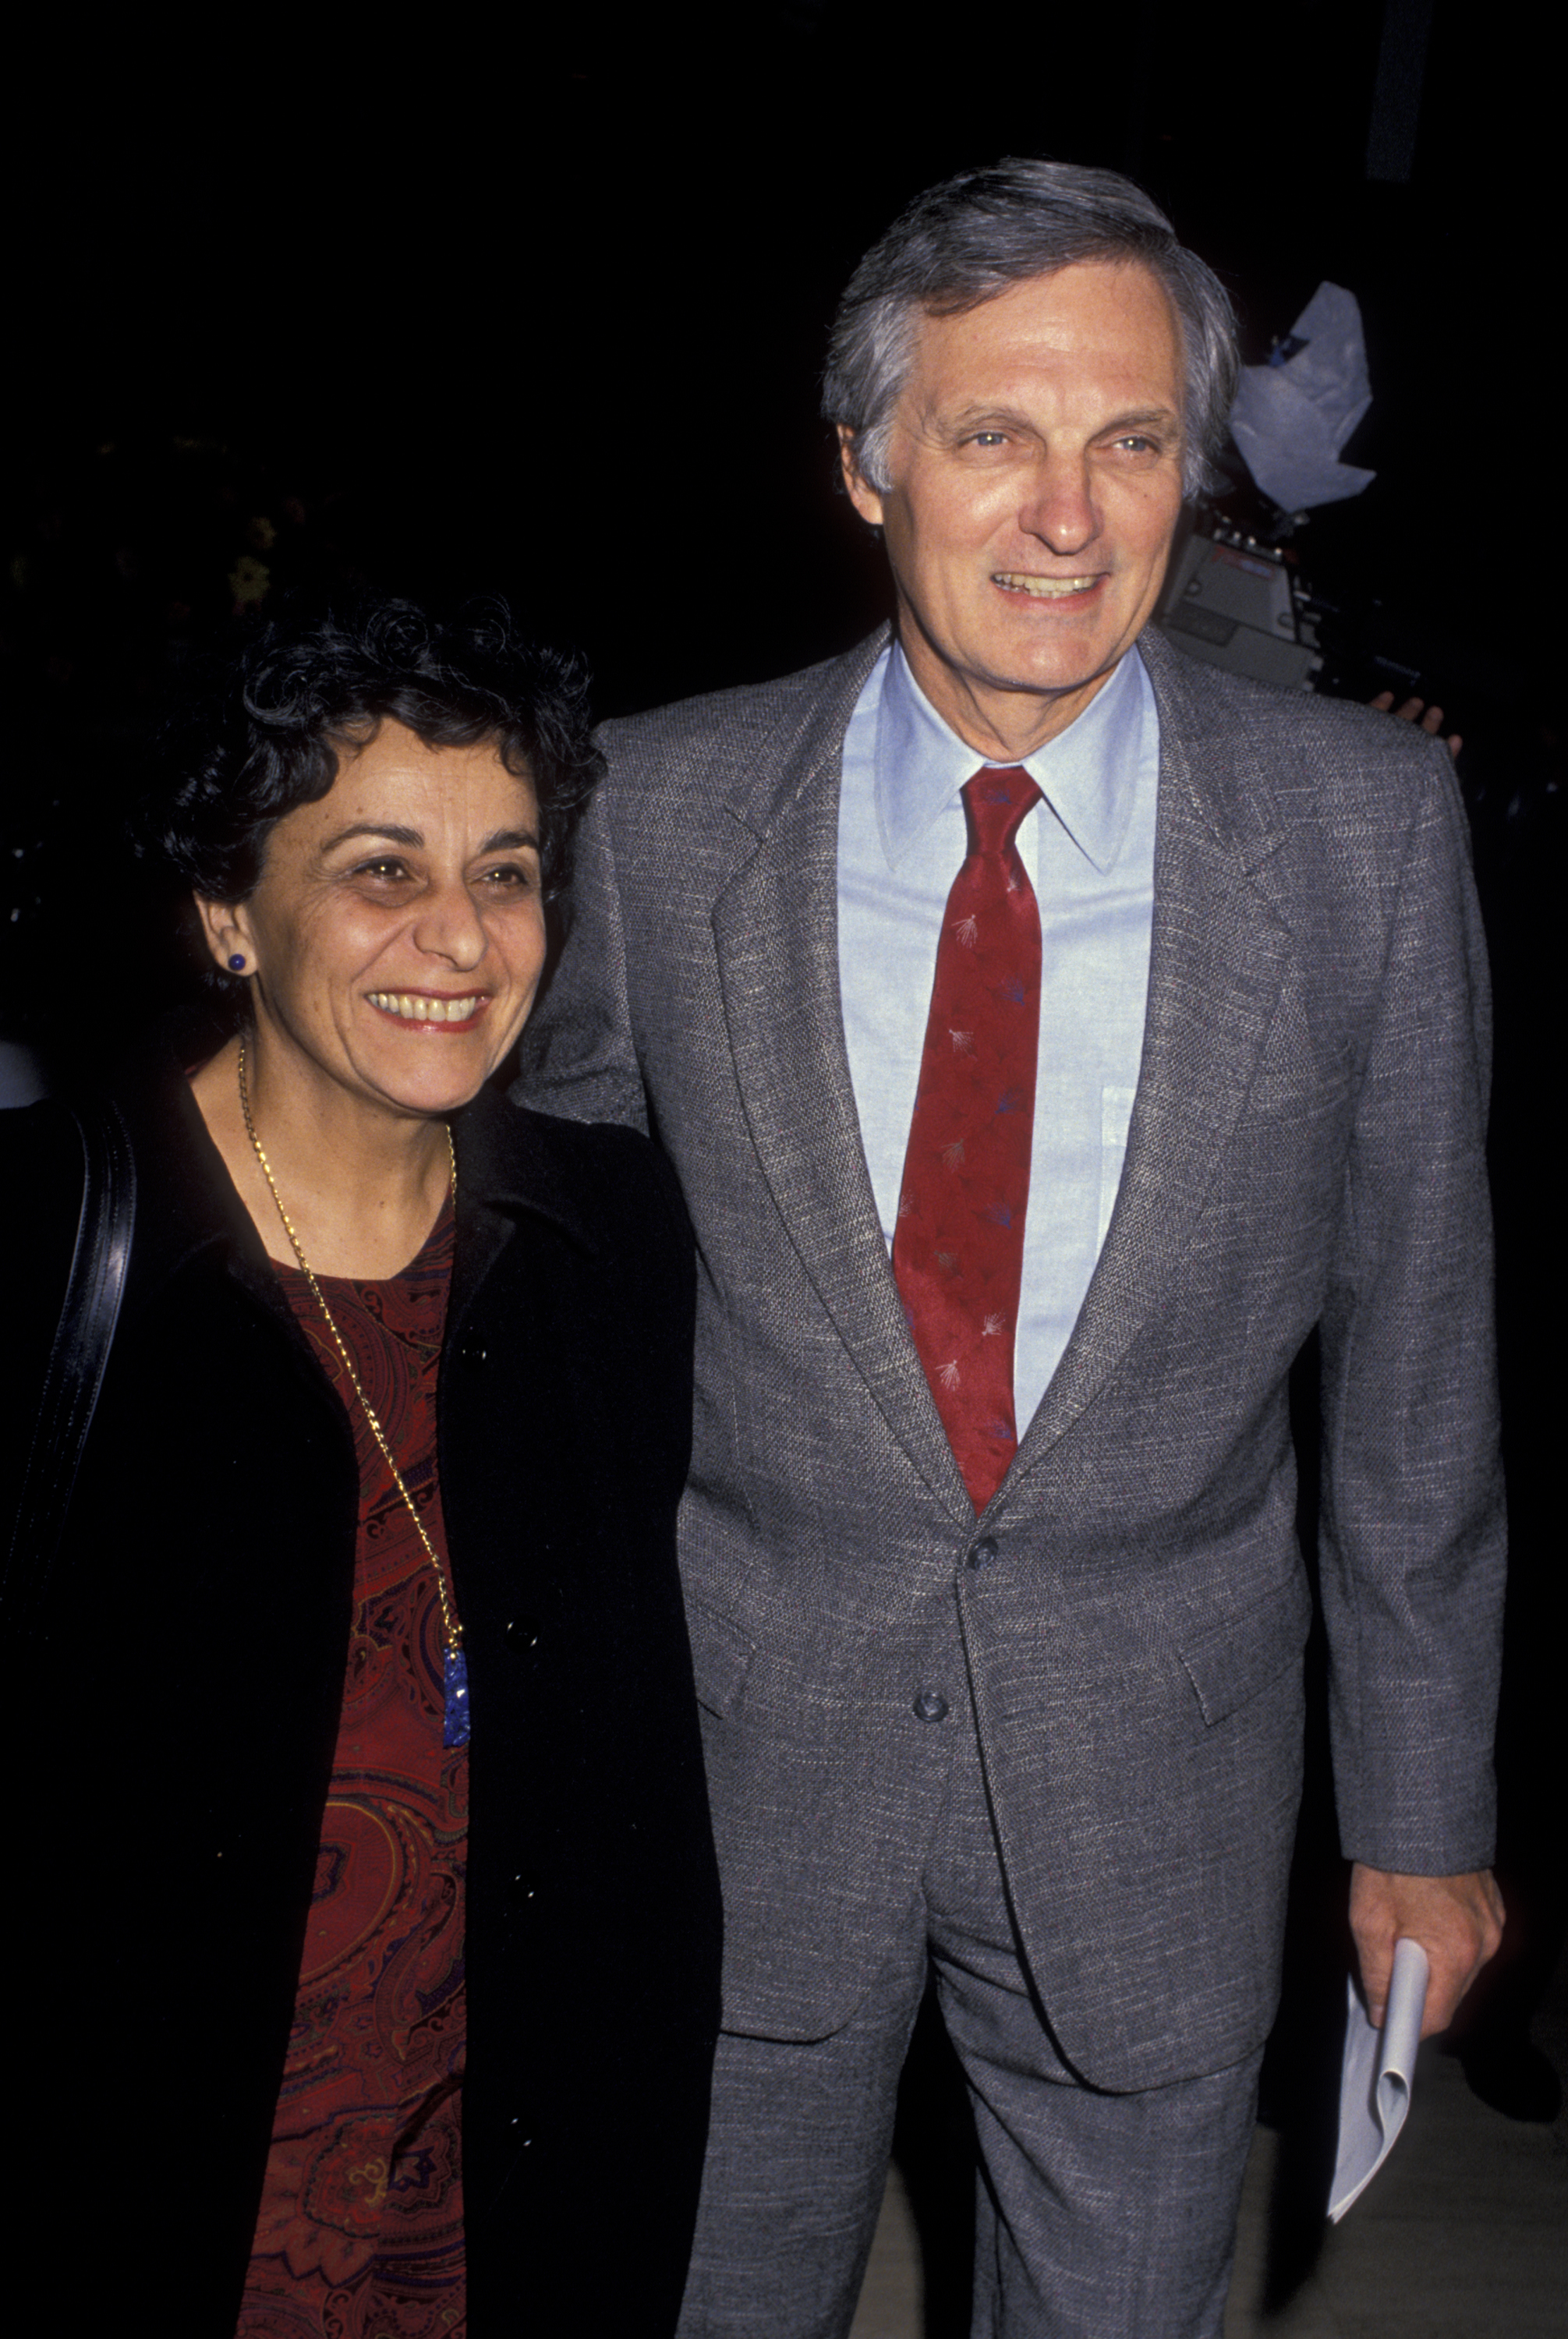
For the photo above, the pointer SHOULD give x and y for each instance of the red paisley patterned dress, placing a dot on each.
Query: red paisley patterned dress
(361, 2230)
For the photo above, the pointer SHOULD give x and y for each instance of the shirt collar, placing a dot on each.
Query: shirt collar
(1087, 774)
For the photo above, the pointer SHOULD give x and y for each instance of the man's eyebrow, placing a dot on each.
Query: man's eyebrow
(964, 418)
(980, 415)
(1146, 418)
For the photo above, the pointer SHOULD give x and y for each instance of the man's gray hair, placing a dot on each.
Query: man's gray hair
(964, 242)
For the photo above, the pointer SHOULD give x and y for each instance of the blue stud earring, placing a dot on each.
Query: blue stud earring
(237, 963)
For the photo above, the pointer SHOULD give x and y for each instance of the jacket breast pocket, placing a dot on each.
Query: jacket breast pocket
(1241, 1658)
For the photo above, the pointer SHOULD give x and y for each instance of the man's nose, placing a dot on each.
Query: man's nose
(1061, 508)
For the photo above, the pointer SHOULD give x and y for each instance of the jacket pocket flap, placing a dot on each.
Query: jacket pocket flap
(1237, 1659)
(721, 1656)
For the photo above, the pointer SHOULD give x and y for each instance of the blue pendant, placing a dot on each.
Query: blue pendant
(454, 1727)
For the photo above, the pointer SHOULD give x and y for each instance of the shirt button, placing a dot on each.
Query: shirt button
(931, 1705)
(981, 1553)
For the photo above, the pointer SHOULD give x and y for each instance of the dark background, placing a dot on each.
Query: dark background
(543, 308)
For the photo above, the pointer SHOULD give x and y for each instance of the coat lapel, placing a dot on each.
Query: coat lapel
(775, 930)
(188, 1212)
(508, 1166)
(1219, 958)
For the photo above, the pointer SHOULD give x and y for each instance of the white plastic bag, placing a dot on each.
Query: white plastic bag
(1292, 415)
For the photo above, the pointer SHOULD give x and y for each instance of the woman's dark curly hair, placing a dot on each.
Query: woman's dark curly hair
(264, 734)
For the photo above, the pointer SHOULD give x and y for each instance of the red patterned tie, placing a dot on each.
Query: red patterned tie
(957, 1247)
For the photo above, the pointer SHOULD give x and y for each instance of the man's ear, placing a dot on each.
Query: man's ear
(227, 930)
(865, 499)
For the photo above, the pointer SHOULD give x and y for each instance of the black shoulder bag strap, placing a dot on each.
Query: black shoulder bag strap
(74, 1373)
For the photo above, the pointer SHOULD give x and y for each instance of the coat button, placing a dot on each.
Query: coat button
(521, 1889)
(931, 1705)
(981, 1553)
(522, 1634)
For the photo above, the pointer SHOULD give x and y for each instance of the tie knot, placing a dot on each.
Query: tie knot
(995, 802)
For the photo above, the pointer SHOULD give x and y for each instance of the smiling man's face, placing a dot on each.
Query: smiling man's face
(1035, 470)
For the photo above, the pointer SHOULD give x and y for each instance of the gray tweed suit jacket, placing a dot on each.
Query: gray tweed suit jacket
(1127, 1619)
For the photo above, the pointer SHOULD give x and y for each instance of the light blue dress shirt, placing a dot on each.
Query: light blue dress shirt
(1089, 849)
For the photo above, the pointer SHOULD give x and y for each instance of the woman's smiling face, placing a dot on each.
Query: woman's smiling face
(396, 937)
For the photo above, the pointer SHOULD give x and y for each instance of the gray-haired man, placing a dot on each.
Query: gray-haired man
(1049, 1034)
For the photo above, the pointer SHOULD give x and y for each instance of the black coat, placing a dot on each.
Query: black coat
(169, 1734)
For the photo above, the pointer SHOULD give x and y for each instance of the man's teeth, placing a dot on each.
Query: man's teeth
(1045, 588)
(414, 1009)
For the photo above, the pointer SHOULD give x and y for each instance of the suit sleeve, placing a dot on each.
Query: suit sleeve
(1412, 1534)
(579, 1058)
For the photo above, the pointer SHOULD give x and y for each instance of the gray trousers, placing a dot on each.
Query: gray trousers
(1098, 2216)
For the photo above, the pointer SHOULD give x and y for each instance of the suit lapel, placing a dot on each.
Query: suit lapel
(775, 930)
(1219, 958)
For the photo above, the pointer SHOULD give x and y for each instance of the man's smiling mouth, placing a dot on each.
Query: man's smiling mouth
(1044, 589)
(414, 1007)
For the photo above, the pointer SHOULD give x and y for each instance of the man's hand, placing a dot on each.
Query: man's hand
(1458, 1919)
(1431, 721)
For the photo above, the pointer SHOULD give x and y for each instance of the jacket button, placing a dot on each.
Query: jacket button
(931, 1705)
(981, 1553)
(521, 1889)
(522, 1634)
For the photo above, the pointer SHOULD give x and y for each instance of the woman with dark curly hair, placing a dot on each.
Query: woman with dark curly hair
(324, 2018)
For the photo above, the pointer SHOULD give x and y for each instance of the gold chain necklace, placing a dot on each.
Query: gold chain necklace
(454, 1727)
